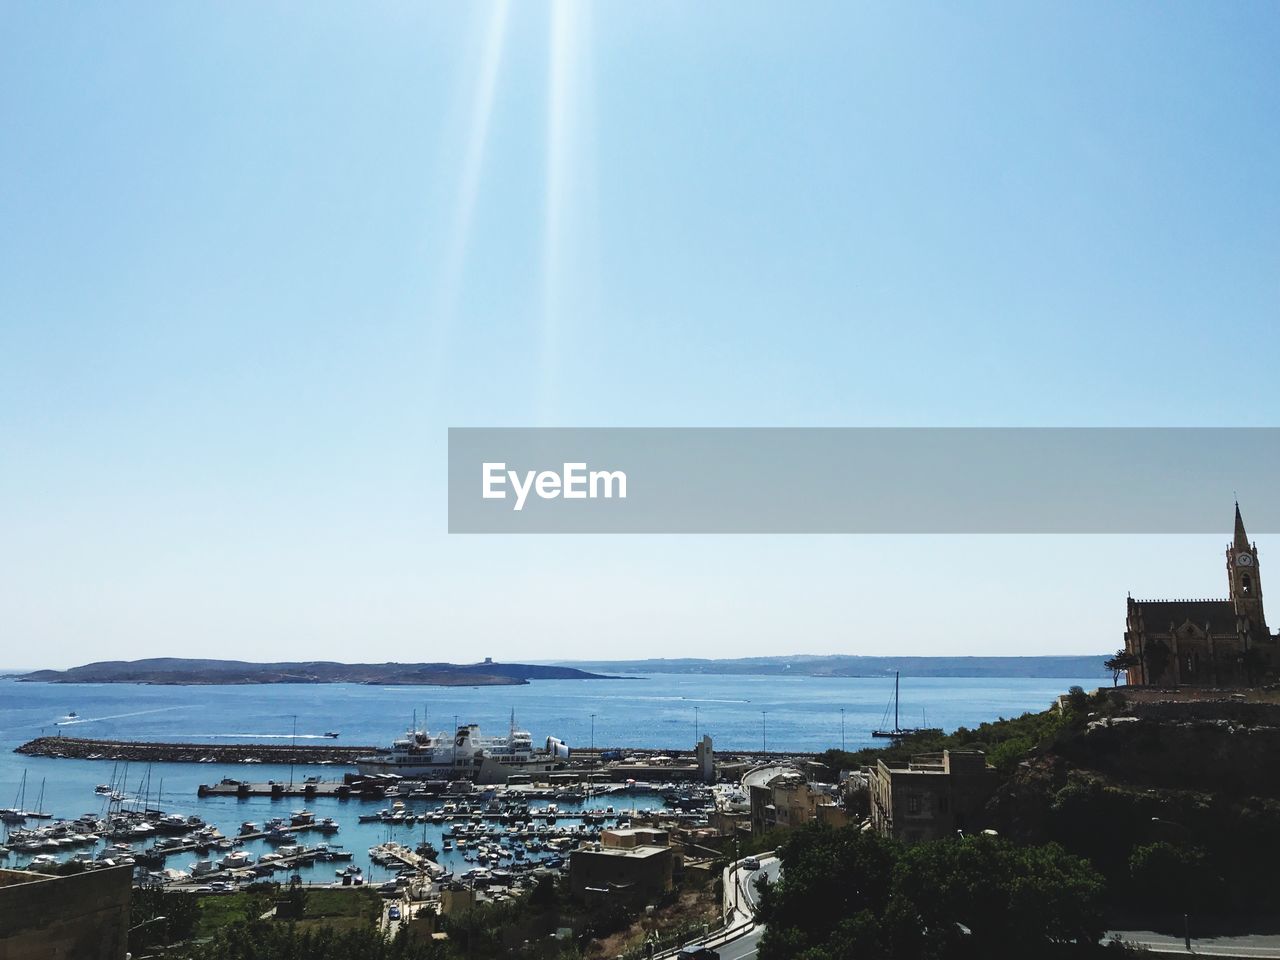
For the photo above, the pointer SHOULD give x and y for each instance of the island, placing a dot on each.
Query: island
(182, 671)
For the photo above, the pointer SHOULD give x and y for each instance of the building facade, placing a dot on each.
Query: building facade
(629, 865)
(931, 796)
(80, 917)
(1205, 642)
(781, 797)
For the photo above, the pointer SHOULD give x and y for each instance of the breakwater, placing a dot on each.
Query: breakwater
(80, 748)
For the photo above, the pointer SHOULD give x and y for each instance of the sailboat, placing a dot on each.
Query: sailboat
(16, 814)
(897, 731)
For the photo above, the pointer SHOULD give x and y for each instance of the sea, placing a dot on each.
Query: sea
(666, 711)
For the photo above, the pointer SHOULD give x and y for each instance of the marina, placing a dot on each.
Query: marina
(231, 756)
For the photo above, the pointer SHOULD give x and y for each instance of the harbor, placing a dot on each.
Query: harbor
(232, 756)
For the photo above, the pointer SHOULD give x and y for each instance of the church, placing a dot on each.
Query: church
(1206, 643)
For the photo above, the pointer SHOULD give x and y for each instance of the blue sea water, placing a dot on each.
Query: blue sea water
(739, 712)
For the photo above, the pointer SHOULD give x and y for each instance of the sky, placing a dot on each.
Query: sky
(256, 258)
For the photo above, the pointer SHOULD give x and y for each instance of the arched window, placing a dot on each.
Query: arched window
(1246, 585)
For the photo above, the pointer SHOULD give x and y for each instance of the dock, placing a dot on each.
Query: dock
(256, 835)
(307, 789)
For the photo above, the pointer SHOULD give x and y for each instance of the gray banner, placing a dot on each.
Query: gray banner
(861, 480)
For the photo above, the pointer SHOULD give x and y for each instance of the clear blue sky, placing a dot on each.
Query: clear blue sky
(256, 258)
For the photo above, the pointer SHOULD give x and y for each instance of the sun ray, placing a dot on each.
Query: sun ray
(559, 92)
(481, 113)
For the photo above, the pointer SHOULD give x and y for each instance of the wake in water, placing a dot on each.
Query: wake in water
(259, 736)
(65, 722)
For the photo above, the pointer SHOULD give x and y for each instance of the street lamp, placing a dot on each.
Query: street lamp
(593, 733)
(764, 731)
(695, 725)
(842, 729)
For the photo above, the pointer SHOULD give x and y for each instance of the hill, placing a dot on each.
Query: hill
(177, 670)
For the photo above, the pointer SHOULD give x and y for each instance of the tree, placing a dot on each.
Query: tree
(264, 940)
(1173, 878)
(1014, 901)
(828, 876)
(157, 916)
(847, 894)
(1122, 662)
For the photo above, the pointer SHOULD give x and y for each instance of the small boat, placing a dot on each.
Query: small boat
(332, 734)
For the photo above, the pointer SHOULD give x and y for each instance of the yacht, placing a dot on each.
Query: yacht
(466, 756)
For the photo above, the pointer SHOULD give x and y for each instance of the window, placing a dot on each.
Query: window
(913, 803)
(1246, 585)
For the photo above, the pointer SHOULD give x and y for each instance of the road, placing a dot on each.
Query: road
(770, 867)
(744, 904)
(1244, 945)
(743, 948)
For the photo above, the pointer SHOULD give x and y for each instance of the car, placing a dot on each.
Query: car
(695, 951)
(750, 863)
(393, 913)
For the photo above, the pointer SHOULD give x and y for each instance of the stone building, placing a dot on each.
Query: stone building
(629, 865)
(1205, 642)
(931, 796)
(781, 797)
(80, 917)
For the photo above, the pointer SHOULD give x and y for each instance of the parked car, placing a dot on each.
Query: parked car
(394, 912)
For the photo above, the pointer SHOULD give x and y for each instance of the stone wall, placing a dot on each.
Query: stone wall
(81, 917)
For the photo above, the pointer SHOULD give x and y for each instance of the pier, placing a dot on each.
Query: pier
(307, 789)
(136, 751)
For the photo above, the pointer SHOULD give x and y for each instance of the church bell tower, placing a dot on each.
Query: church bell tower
(1243, 577)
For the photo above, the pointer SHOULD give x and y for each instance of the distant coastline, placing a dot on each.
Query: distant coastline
(177, 671)
(1046, 667)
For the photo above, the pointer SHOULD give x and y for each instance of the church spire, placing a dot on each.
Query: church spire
(1241, 541)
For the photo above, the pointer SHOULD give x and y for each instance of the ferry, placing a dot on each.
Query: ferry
(465, 756)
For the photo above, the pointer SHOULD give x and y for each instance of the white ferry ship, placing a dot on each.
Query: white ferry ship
(421, 755)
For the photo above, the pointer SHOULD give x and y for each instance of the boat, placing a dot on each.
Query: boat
(897, 731)
(467, 756)
(332, 734)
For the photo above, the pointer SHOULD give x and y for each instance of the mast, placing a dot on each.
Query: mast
(896, 728)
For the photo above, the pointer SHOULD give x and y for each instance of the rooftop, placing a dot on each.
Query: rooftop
(635, 853)
(11, 878)
(763, 776)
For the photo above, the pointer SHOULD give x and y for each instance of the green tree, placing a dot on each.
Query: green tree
(160, 917)
(1014, 901)
(1173, 878)
(265, 940)
(1122, 662)
(828, 877)
(850, 894)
